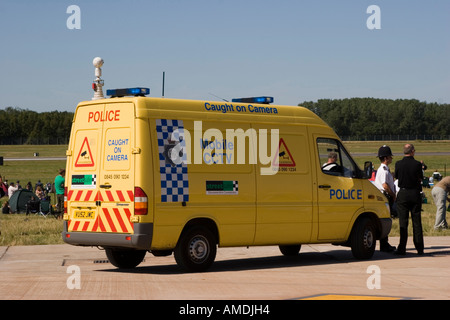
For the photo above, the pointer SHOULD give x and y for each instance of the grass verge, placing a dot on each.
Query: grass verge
(22, 230)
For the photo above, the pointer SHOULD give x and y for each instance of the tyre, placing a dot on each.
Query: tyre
(290, 250)
(125, 259)
(161, 253)
(196, 249)
(363, 239)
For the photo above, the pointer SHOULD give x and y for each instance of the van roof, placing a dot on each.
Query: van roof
(220, 110)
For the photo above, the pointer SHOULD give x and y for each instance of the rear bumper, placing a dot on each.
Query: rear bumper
(141, 238)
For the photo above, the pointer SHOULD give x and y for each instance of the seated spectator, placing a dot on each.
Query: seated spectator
(40, 193)
(5, 207)
(39, 183)
(29, 186)
(32, 206)
(48, 188)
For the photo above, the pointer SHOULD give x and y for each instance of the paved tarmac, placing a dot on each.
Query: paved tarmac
(256, 273)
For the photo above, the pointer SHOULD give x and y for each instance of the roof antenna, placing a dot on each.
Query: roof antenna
(218, 97)
(98, 83)
(164, 78)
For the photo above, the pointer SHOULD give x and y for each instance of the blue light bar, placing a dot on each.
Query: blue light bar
(127, 92)
(263, 100)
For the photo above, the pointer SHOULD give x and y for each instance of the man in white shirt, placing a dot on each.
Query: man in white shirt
(384, 181)
(12, 188)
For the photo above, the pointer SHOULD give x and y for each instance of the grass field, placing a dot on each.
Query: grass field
(18, 229)
(397, 146)
(440, 163)
(32, 171)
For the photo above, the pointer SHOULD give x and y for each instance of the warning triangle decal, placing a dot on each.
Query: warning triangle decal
(84, 158)
(283, 157)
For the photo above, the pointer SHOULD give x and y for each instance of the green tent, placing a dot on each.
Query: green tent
(18, 201)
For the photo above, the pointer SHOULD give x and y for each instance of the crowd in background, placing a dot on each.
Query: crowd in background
(41, 190)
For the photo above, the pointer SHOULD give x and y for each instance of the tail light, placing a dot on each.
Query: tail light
(140, 202)
(65, 200)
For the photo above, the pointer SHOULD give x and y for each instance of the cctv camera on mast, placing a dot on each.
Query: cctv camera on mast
(98, 83)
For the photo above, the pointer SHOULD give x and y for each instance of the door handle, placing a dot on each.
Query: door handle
(324, 186)
(105, 186)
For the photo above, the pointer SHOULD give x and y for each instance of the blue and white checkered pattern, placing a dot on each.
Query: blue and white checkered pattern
(174, 174)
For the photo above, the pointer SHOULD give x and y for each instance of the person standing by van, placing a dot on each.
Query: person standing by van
(384, 181)
(409, 173)
(59, 188)
(441, 193)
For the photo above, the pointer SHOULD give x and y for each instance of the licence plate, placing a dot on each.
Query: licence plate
(84, 214)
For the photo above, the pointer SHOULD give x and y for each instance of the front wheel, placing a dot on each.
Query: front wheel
(196, 249)
(125, 259)
(363, 239)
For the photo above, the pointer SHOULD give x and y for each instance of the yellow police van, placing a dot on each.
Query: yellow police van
(185, 177)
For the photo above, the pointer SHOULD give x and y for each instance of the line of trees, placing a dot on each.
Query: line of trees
(371, 117)
(22, 126)
(355, 117)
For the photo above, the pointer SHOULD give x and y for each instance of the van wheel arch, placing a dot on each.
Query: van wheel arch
(197, 246)
(375, 220)
(203, 222)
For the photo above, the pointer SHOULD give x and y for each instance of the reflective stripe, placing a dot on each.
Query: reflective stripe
(100, 195)
(107, 219)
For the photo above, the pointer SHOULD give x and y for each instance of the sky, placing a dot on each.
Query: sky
(293, 50)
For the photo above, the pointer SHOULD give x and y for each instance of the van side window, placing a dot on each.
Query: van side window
(334, 159)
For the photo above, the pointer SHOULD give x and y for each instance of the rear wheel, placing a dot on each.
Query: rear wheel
(196, 249)
(290, 250)
(363, 239)
(125, 259)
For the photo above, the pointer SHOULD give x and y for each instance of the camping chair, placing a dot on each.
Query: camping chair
(32, 206)
(426, 182)
(45, 208)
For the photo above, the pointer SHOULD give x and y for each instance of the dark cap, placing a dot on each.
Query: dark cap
(384, 151)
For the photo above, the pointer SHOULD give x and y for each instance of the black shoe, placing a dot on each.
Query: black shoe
(420, 253)
(387, 248)
(400, 252)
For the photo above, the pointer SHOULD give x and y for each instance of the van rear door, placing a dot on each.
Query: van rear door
(116, 181)
(100, 195)
(84, 163)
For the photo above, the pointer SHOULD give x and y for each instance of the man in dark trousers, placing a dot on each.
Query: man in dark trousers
(409, 173)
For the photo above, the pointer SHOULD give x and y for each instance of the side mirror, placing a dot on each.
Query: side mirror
(368, 169)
